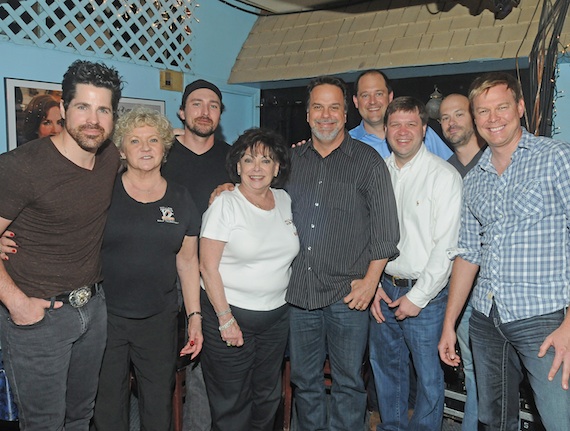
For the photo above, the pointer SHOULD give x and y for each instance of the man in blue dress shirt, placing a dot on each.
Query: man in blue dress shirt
(373, 93)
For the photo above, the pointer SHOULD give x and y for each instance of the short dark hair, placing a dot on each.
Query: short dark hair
(407, 104)
(370, 72)
(36, 112)
(330, 80)
(96, 74)
(485, 82)
(268, 139)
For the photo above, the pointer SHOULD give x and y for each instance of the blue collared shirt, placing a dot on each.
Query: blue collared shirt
(432, 141)
(516, 226)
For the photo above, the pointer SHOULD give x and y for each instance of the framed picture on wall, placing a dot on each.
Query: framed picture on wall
(23, 93)
(29, 112)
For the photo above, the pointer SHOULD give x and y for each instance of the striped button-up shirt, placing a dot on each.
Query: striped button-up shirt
(345, 214)
(516, 226)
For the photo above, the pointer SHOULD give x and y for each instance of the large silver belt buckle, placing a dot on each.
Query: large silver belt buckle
(79, 297)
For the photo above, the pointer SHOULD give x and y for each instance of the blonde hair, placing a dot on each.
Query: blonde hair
(485, 82)
(140, 117)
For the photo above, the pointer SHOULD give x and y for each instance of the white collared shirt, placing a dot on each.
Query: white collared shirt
(428, 198)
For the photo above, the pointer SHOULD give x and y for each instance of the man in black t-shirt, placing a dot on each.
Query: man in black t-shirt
(197, 161)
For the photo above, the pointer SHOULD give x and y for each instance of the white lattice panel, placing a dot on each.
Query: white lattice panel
(154, 32)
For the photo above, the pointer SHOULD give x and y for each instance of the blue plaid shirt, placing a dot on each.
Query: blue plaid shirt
(516, 228)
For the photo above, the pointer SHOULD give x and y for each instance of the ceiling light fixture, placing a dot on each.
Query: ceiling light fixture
(504, 7)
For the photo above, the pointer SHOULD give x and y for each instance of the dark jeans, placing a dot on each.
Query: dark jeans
(244, 383)
(151, 345)
(499, 352)
(392, 343)
(197, 416)
(343, 333)
(470, 419)
(53, 365)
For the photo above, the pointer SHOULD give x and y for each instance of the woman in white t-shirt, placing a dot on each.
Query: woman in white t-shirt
(247, 243)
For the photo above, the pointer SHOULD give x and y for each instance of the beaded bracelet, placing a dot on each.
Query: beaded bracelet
(227, 324)
(194, 313)
(223, 313)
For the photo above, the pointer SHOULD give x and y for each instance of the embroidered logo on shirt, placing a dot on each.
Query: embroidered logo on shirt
(289, 222)
(167, 215)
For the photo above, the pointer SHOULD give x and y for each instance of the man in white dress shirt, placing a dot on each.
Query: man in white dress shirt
(410, 303)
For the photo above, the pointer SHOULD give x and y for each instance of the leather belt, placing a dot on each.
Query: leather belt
(79, 297)
(401, 282)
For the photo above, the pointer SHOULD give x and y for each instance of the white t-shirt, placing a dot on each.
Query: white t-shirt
(260, 246)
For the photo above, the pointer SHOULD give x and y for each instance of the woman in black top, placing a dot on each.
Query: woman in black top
(150, 239)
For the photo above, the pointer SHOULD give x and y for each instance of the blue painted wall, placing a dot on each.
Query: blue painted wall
(561, 124)
(217, 39)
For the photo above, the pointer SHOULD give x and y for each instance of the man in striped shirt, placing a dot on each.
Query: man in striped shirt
(345, 214)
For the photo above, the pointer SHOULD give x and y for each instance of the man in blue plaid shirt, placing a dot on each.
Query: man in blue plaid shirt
(515, 232)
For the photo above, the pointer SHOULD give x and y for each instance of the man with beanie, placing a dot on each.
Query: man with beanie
(197, 161)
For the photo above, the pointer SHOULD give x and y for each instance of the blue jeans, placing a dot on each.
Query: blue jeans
(53, 365)
(470, 421)
(500, 350)
(343, 333)
(391, 345)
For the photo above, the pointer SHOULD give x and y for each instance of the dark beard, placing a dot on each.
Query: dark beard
(202, 133)
(88, 143)
(461, 139)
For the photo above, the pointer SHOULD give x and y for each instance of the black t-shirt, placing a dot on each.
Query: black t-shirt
(199, 173)
(140, 244)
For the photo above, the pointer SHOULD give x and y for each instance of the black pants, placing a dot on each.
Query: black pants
(244, 383)
(151, 345)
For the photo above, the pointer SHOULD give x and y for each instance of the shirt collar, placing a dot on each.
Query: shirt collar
(345, 146)
(526, 142)
(360, 131)
(391, 160)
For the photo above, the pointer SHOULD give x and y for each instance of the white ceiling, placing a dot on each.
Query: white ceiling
(284, 6)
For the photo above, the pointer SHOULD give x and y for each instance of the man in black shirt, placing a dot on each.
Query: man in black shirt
(197, 161)
(459, 130)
